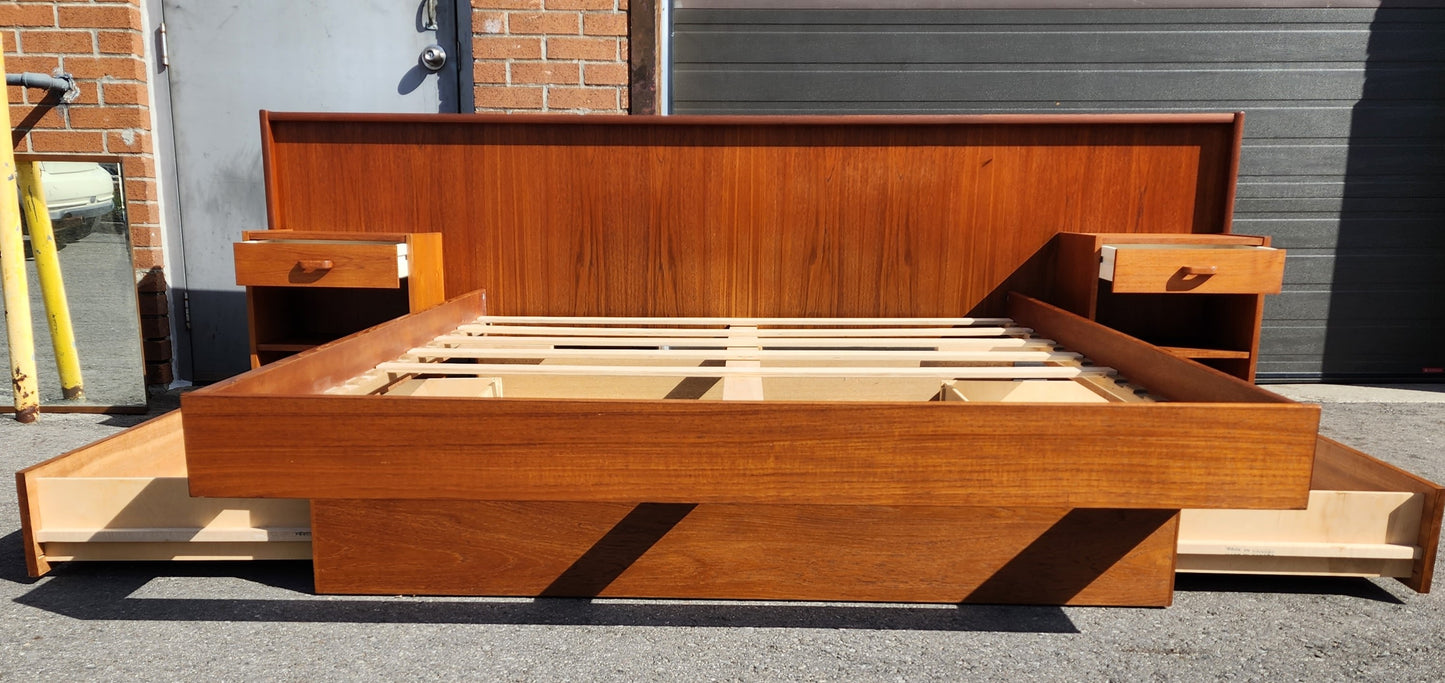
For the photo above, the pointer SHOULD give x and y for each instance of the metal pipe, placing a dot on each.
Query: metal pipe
(15, 289)
(52, 285)
(63, 83)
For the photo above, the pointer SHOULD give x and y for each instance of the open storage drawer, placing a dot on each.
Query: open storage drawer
(1194, 268)
(318, 263)
(1365, 518)
(126, 498)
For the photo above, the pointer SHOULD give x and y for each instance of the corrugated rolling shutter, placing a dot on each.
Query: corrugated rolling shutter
(1344, 152)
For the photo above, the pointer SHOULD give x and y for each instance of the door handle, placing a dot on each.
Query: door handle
(433, 57)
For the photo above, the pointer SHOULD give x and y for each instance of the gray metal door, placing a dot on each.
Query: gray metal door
(1345, 127)
(227, 61)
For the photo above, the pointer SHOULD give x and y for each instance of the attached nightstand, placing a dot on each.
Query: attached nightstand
(1198, 296)
(304, 289)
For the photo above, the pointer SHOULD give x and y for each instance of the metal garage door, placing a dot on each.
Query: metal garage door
(1344, 152)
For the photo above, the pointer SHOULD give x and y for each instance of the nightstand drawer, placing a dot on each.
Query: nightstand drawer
(1192, 269)
(320, 264)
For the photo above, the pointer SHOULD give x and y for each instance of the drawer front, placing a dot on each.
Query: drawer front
(1193, 269)
(318, 264)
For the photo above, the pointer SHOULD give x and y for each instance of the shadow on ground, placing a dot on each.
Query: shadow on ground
(100, 592)
(1363, 589)
(107, 591)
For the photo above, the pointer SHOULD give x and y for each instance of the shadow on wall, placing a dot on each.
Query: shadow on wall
(1387, 303)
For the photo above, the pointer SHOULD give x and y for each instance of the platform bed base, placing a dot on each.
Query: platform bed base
(1364, 518)
(124, 499)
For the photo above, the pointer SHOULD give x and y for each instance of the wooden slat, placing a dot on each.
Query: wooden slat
(725, 321)
(754, 353)
(176, 535)
(694, 342)
(1109, 455)
(1294, 565)
(742, 387)
(527, 331)
(942, 372)
(166, 551)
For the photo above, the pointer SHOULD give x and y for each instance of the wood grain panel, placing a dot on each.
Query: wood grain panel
(426, 286)
(1109, 455)
(764, 216)
(760, 552)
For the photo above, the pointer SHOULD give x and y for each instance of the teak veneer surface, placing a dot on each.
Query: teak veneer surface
(1112, 455)
(760, 552)
(765, 216)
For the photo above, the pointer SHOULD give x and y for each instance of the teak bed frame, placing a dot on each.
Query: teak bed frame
(771, 358)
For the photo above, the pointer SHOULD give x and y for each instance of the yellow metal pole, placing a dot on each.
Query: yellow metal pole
(52, 285)
(12, 280)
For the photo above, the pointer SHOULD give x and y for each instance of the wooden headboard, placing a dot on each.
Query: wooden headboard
(749, 216)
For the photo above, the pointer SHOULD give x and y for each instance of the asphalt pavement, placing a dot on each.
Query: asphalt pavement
(249, 621)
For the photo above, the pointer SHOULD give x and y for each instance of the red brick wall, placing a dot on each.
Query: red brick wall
(550, 55)
(102, 44)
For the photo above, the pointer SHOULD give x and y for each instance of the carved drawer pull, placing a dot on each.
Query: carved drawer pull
(1200, 270)
(311, 266)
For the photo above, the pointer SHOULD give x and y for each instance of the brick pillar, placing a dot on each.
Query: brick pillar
(550, 55)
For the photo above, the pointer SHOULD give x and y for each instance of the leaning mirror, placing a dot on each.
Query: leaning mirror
(85, 201)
